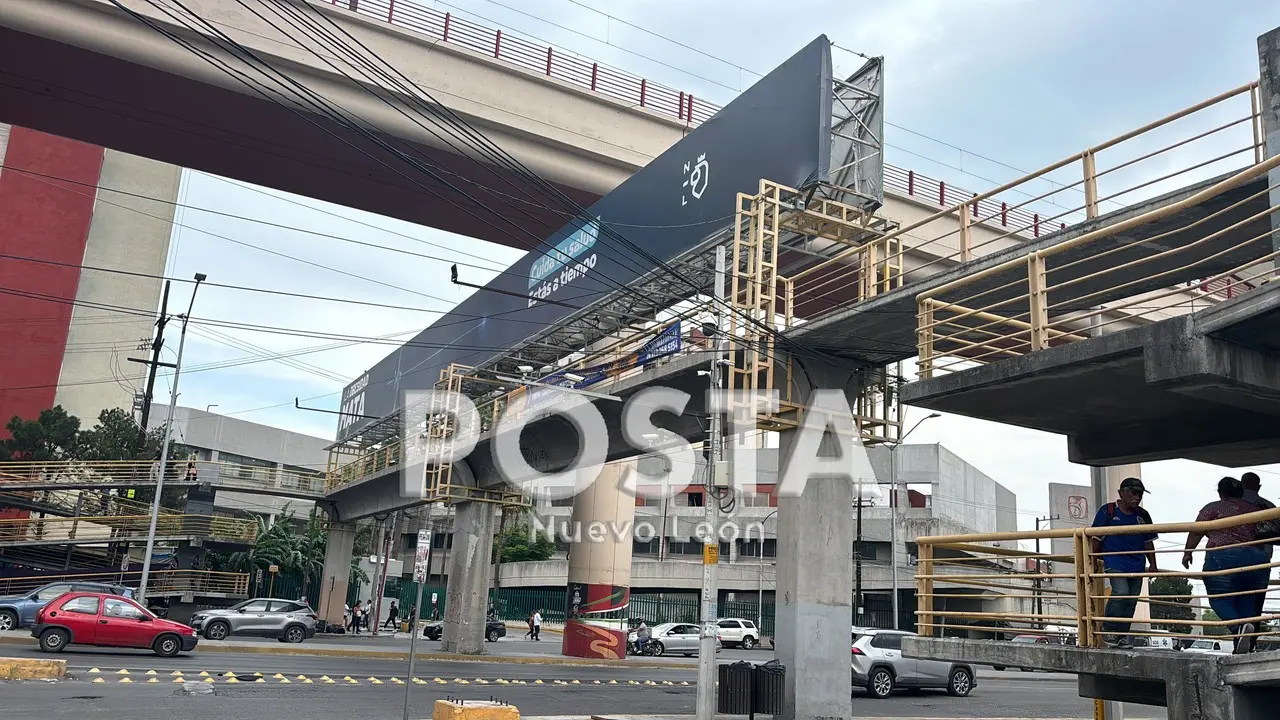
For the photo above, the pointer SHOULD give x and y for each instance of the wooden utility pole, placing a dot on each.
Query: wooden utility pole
(156, 345)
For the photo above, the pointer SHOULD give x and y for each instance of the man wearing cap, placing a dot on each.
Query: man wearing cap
(1135, 552)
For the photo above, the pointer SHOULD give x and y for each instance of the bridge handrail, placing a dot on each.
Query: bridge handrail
(1079, 601)
(123, 471)
(211, 526)
(946, 327)
(957, 245)
(160, 582)
(545, 60)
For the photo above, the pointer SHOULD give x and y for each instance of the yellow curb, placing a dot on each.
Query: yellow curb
(176, 673)
(301, 677)
(32, 669)
(179, 680)
(99, 680)
(203, 673)
(150, 672)
(260, 680)
(277, 676)
(125, 680)
(209, 680)
(94, 670)
(232, 680)
(122, 671)
(286, 681)
(152, 680)
(307, 682)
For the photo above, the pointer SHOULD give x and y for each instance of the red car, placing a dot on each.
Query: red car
(86, 618)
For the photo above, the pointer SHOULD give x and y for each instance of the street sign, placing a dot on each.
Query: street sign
(273, 569)
(420, 558)
(710, 554)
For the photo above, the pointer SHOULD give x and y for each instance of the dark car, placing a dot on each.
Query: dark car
(19, 611)
(493, 630)
(108, 620)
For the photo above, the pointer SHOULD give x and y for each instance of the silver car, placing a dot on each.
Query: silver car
(878, 665)
(680, 638)
(286, 620)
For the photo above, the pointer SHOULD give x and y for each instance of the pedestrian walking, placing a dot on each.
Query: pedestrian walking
(357, 617)
(1233, 597)
(391, 616)
(1252, 495)
(537, 624)
(1131, 550)
(529, 621)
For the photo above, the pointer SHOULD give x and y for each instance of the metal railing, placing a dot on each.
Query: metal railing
(123, 527)
(161, 582)
(544, 60)
(78, 503)
(132, 473)
(1049, 306)
(980, 224)
(1066, 592)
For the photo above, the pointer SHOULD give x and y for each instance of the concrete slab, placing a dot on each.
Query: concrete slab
(1202, 387)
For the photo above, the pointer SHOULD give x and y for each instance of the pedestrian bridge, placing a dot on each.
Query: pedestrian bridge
(1063, 593)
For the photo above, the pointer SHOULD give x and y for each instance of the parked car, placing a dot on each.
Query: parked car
(1211, 646)
(107, 620)
(736, 632)
(683, 638)
(19, 611)
(878, 665)
(1028, 639)
(493, 630)
(286, 620)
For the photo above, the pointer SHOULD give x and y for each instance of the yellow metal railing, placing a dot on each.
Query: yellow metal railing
(80, 503)
(975, 225)
(161, 582)
(1048, 306)
(968, 587)
(115, 527)
(120, 473)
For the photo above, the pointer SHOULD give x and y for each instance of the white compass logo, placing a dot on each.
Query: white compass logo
(695, 179)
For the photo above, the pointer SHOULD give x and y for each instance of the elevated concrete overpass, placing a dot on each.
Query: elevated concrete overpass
(106, 72)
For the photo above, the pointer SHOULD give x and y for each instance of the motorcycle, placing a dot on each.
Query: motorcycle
(650, 648)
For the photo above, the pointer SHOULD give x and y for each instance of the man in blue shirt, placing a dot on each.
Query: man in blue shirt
(1138, 550)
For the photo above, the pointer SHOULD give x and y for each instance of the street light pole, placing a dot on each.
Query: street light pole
(164, 450)
(893, 511)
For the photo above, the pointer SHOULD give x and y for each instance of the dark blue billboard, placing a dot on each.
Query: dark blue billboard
(778, 129)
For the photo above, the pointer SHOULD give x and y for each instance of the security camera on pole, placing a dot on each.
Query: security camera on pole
(164, 451)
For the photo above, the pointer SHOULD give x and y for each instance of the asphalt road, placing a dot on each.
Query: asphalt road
(76, 699)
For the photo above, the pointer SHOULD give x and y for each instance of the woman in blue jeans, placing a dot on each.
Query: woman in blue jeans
(1237, 607)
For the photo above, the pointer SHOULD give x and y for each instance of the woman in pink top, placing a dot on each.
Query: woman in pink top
(1237, 607)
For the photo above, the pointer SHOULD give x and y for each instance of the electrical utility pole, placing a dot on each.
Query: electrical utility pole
(157, 345)
(1039, 586)
(857, 560)
(705, 708)
(164, 450)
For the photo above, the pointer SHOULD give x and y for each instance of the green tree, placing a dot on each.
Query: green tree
(1174, 604)
(1211, 616)
(519, 544)
(115, 437)
(52, 436)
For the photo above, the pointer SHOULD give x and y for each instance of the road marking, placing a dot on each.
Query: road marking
(231, 677)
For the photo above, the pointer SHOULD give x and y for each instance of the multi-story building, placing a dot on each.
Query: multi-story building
(938, 492)
(70, 213)
(247, 446)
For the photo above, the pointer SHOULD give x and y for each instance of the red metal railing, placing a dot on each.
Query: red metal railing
(544, 60)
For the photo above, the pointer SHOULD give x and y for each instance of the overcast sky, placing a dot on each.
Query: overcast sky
(975, 89)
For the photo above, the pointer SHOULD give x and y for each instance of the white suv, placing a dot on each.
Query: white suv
(736, 631)
(879, 666)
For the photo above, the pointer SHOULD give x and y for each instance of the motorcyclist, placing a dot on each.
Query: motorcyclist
(642, 636)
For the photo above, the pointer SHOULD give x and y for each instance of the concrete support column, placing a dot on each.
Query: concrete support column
(1269, 94)
(814, 597)
(470, 570)
(599, 565)
(337, 571)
